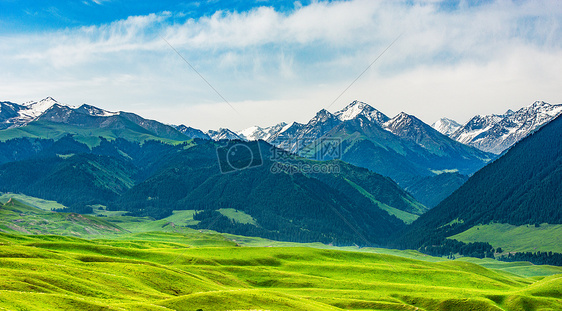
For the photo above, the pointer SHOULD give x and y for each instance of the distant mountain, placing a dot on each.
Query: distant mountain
(403, 148)
(192, 132)
(496, 133)
(223, 134)
(357, 108)
(263, 133)
(14, 115)
(51, 119)
(446, 126)
(523, 187)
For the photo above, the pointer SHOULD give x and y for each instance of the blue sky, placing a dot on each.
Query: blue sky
(40, 16)
(282, 60)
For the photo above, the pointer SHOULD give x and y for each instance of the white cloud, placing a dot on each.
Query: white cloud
(277, 66)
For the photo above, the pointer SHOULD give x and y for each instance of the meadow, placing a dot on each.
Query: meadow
(125, 263)
(207, 271)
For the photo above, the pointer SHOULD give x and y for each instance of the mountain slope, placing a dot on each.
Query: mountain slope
(290, 198)
(496, 133)
(289, 204)
(522, 187)
(431, 190)
(192, 132)
(73, 180)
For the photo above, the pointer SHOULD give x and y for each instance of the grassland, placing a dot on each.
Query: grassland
(527, 238)
(201, 271)
(127, 263)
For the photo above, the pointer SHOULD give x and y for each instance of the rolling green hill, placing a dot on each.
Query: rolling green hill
(165, 271)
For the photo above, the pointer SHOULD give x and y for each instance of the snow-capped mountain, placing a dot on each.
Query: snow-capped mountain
(357, 108)
(46, 115)
(401, 147)
(15, 115)
(446, 126)
(263, 133)
(284, 133)
(496, 133)
(191, 132)
(223, 133)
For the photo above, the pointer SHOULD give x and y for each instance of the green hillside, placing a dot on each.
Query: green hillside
(527, 238)
(16, 217)
(344, 208)
(75, 180)
(166, 271)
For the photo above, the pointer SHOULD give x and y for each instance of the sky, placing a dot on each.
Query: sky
(236, 64)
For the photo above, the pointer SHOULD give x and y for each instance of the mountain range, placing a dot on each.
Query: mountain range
(50, 119)
(496, 133)
(354, 176)
(403, 148)
(421, 159)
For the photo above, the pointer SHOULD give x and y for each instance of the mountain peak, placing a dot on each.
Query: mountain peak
(446, 126)
(322, 116)
(264, 133)
(223, 133)
(404, 122)
(358, 108)
(539, 103)
(95, 111)
(496, 133)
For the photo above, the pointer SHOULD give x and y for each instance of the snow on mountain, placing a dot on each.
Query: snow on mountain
(192, 132)
(496, 133)
(16, 115)
(95, 111)
(223, 133)
(263, 133)
(30, 111)
(446, 126)
(357, 108)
